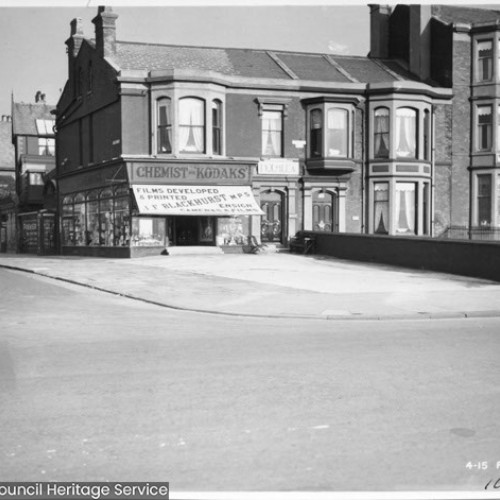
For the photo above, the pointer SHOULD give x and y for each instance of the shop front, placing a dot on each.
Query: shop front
(142, 208)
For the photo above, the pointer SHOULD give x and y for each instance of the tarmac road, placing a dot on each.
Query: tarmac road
(98, 387)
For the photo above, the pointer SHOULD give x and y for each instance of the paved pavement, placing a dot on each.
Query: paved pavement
(275, 285)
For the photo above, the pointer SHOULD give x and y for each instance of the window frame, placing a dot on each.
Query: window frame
(217, 127)
(479, 61)
(266, 110)
(377, 133)
(480, 129)
(164, 101)
(192, 128)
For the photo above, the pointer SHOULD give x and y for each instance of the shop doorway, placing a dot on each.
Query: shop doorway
(189, 230)
(271, 227)
(325, 211)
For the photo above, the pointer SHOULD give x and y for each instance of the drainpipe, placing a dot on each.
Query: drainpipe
(364, 151)
(433, 153)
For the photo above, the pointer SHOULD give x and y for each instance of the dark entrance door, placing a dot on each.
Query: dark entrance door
(325, 212)
(193, 230)
(271, 228)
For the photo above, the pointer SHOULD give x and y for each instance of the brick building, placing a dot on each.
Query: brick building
(166, 145)
(33, 138)
(7, 187)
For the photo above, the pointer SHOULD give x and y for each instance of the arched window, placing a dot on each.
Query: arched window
(164, 125)
(191, 125)
(406, 133)
(381, 133)
(337, 132)
(316, 133)
(216, 127)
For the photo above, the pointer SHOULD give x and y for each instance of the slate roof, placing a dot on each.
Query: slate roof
(455, 14)
(6, 146)
(24, 117)
(251, 63)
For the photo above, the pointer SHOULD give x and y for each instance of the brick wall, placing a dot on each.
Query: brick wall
(461, 123)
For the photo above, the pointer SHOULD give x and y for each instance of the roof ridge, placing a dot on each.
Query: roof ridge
(277, 51)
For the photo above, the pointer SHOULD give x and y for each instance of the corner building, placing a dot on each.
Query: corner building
(166, 145)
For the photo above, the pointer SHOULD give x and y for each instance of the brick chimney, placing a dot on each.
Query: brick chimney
(379, 30)
(420, 40)
(105, 31)
(74, 42)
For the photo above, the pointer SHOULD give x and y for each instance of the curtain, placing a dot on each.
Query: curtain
(271, 132)
(381, 139)
(381, 208)
(192, 125)
(405, 206)
(406, 131)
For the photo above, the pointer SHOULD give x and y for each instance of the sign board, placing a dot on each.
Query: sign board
(186, 173)
(278, 166)
(196, 200)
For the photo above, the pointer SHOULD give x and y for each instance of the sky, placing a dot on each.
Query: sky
(33, 52)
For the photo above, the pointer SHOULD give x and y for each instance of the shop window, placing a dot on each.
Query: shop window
(122, 217)
(46, 146)
(35, 179)
(337, 132)
(233, 230)
(381, 207)
(406, 133)
(484, 199)
(272, 131)
(106, 218)
(80, 218)
(68, 221)
(316, 133)
(484, 124)
(164, 127)
(381, 133)
(93, 234)
(484, 60)
(406, 207)
(148, 231)
(216, 127)
(191, 125)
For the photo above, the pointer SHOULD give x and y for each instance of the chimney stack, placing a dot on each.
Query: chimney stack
(420, 40)
(379, 30)
(74, 42)
(105, 31)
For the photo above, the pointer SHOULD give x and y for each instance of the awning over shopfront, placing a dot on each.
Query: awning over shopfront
(196, 200)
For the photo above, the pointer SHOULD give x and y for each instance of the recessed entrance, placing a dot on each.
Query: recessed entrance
(192, 230)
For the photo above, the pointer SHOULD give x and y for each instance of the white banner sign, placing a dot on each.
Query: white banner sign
(196, 200)
(278, 166)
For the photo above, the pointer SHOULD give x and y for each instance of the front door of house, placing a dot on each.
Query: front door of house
(271, 227)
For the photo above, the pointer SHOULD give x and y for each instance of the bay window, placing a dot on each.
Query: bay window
(484, 60)
(164, 127)
(484, 126)
(216, 127)
(406, 204)
(381, 207)
(191, 125)
(406, 133)
(484, 199)
(381, 133)
(337, 132)
(331, 131)
(316, 133)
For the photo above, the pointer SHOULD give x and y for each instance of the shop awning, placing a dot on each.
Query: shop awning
(196, 200)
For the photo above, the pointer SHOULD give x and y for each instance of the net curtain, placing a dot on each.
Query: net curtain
(405, 206)
(381, 142)
(271, 128)
(406, 132)
(381, 208)
(192, 125)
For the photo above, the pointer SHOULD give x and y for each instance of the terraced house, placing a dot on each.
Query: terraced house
(168, 146)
